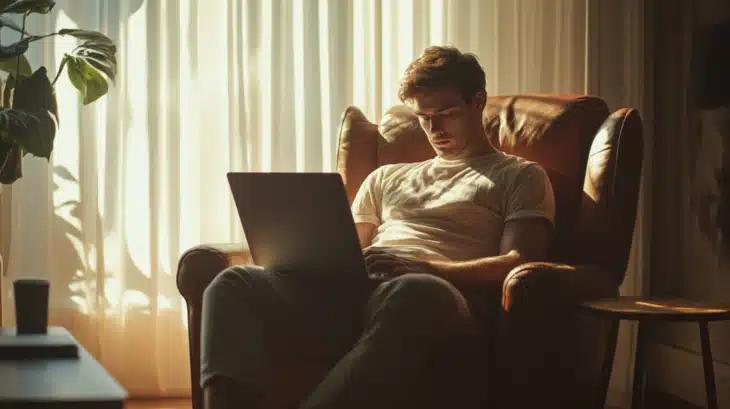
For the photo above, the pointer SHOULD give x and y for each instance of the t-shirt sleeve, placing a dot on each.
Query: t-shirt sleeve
(366, 207)
(530, 195)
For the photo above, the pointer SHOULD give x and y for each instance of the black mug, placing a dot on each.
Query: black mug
(31, 306)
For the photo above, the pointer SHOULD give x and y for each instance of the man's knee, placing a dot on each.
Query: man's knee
(423, 299)
(236, 279)
(233, 286)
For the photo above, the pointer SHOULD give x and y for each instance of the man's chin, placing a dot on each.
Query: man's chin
(449, 154)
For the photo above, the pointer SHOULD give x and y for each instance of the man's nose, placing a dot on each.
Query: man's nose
(436, 125)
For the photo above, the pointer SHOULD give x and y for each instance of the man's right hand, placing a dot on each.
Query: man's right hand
(382, 263)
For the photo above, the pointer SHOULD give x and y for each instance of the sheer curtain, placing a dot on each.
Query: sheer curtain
(210, 86)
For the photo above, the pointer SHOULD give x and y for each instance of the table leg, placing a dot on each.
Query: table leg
(637, 398)
(708, 366)
(607, 367)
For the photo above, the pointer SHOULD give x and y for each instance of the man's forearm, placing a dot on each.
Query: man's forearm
(488, 269)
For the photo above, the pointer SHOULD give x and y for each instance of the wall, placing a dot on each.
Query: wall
(689, 256)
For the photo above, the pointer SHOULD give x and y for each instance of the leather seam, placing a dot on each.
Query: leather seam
(339, 136)
(614, 171)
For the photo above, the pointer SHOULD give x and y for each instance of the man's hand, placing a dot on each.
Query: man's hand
(380, 262)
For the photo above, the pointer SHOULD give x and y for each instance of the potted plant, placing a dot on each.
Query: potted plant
(29, 110)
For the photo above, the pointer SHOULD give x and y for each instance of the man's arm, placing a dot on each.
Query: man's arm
(365, 232)
(524, 240)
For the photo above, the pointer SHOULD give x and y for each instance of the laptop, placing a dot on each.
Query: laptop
(299, 223)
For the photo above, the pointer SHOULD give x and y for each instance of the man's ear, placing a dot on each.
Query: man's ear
(479, 100)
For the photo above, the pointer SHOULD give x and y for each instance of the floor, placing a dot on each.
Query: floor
(658, 399)
(158, 404)
(655, 399)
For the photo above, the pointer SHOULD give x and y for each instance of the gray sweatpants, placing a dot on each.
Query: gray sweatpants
(391, 343)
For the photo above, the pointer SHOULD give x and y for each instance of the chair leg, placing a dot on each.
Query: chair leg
(708, 366)
(607, 367)
(637, 396)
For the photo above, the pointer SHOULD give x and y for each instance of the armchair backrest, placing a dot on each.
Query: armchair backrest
(593, 161)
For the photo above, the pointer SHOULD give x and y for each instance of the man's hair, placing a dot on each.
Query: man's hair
(441, 67)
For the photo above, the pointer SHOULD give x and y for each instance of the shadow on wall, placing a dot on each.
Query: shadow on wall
(82, 279)
(708, 240)
(710, 148)
(127, 318)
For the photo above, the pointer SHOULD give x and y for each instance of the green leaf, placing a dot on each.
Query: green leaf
(20, 125)
(64, 61)
(11, 65)
(13, 117)
(4, 4)
(98, 53)
(8, 91)
(105, 53)
(6, 21)
(100, 57)
(17, 48)
(10, 162)
(106, 67)
(90, 83)
(107, 49)
(35, 97)
(76, 74)
(86, 35)
(30, 6)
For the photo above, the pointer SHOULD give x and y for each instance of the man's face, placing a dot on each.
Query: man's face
(453, 126)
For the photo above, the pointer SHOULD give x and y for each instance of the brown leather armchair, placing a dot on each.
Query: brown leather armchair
(549, 355)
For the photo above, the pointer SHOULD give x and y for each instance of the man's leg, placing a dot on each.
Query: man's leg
(460, 373)
(250, 314)
(407, 319)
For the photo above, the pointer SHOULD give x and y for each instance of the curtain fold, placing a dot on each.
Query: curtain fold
(619, 68)
(207, 87)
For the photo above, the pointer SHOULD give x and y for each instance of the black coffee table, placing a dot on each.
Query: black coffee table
(644, 310)
(59, 382)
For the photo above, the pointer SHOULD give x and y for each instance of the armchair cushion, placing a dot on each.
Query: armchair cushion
(555, 131)
(357, 154)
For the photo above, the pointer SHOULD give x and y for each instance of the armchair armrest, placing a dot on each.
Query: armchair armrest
(196, 269)
(199, 265)
(541, 285)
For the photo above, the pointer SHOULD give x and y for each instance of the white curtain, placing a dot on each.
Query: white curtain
(208, 86)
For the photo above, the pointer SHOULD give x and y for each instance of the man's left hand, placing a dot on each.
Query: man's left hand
(381, 262)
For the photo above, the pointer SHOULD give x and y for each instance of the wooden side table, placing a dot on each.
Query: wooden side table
(78, 383)
(643, 309)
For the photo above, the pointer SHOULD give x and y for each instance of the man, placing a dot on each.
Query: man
(465, 218)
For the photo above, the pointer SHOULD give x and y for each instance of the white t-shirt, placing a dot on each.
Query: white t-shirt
(452, 209)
